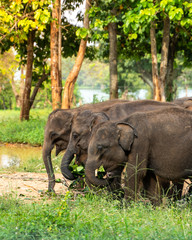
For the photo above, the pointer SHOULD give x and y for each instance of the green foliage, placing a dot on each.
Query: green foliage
(82, 32)
(130, 72)
(77, 170)
(23, 16)
(137, 19)
(92, 217)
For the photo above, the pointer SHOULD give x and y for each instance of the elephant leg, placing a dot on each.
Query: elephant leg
(116, 189)
(151, 188)
(156, 188)
(177, 189)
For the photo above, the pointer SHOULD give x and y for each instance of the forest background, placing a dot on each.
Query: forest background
(128, 46)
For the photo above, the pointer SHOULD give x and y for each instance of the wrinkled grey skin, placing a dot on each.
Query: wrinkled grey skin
(84, 121)
(57, 132)
(157, 142)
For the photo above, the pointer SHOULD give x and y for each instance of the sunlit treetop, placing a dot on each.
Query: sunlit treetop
(19, 17)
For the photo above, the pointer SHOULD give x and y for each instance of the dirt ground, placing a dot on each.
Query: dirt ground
(28, 186)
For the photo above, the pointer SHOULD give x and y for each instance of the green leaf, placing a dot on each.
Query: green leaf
(37, 14)
(82, 32)
(34, 5)
(78, 32)
(133, 36)
(79, 168)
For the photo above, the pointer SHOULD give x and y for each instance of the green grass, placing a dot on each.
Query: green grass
(14, 131)
(92, 217)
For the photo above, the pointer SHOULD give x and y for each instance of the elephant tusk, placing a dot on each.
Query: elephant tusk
(96, 174)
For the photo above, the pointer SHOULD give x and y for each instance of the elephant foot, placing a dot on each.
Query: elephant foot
(51, 186)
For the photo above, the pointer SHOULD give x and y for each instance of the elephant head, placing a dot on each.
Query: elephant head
(109, 147)
(82, 125)
(57, 132)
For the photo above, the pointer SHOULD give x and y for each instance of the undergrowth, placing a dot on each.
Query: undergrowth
(92, 217)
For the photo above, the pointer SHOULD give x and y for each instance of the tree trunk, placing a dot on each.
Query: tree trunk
(37, 86)
(25, 107)
(159, 80)
(164, 57)
(54, 45)
(155, 74)
(112, 29)
(71, 79)
(59, 51)
(169, 92)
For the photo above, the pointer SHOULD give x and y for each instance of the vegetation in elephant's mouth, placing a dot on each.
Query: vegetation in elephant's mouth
(77, 170)
(100, 172)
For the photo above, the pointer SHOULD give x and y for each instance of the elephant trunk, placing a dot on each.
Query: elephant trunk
(66, 160)
(47, 147)
(90, 168)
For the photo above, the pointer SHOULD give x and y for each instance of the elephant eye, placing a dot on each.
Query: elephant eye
(99, 147)
(75, 135)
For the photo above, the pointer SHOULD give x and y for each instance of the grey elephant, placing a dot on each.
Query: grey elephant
(157, 142)
(84, 121)
(82, 125)
(57, 132)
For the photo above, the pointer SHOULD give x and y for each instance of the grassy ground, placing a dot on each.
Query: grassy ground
(92, 217)
(83, 216)
(14, 131)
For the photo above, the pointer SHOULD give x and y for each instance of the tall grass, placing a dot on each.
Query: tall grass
(92, 217)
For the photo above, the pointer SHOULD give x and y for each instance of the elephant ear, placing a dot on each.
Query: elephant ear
(98, 118)
(126, 135)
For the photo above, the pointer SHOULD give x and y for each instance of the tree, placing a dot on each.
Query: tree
(71, 79)
(25, 106)
(135, 18)
(56, 55)
(152, 15)
(22, 23)
(105, 16)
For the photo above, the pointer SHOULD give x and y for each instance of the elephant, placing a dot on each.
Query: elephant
(185, 102)
(157, 142)
(57, 132)
(84, 121)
